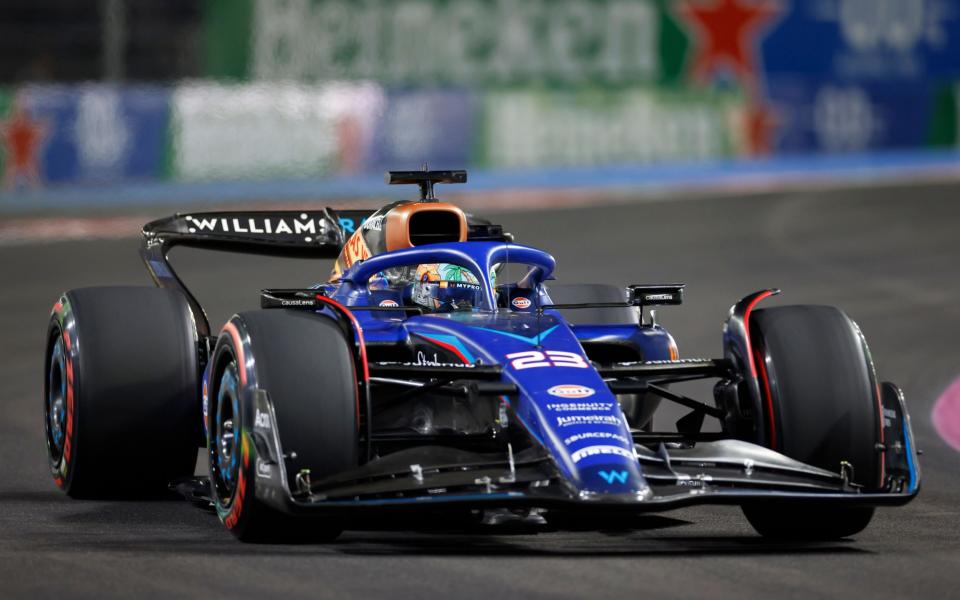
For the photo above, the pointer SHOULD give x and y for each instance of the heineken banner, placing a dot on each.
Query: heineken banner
(465, 42)
(319, 88)
(815, 75)
(598, 126)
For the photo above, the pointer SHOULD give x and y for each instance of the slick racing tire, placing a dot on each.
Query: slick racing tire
(820, 407)
(305, 365)
(122, 412)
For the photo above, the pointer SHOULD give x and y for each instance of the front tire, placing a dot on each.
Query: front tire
(821, 408)
(306, 366)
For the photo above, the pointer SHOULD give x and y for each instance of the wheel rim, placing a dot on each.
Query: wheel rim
(225, 450)
(55, 407)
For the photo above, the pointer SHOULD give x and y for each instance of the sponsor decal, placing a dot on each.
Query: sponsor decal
(581, 406)
(569, 390)
(589, 420)
(601, 450)
(532, 359)
(389, 303)
(261, 420)
(521, 303)
(301, 302)
(301, 224)
(594, 435)
(375, 223)
(347, 225)
(424, 361)
(678, 361)
(263, 469)
(459, 285)
(611, 476)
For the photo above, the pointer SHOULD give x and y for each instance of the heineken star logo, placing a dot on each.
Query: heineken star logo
(22, 139)
(727, 32)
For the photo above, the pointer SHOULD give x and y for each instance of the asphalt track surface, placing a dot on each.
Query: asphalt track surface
(889, 257)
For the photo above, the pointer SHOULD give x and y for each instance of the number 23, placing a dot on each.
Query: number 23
(551, 358)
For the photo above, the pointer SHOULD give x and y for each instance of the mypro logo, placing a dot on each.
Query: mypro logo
(568, 390)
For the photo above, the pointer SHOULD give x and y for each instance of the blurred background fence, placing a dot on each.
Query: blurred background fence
(96, 95)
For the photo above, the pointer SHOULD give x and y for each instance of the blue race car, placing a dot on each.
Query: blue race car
(439, 368)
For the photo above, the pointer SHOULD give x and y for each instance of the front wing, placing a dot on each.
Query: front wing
(723, 471)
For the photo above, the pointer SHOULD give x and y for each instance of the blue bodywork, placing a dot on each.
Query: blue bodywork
(533, 423)
(563, 402)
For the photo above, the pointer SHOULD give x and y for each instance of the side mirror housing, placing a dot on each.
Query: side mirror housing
(655, 295)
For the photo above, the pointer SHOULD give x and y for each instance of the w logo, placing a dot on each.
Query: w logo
(611, 476)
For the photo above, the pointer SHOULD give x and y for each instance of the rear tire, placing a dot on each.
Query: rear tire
(121, 393)
(306, 366)
(821, 408)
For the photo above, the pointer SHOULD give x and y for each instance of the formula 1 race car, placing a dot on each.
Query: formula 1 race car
(440, 368)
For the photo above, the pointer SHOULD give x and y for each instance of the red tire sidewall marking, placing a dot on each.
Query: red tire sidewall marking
(753, 359)
(232, 517)
(63, 471)
(361, 343)
(68, 443)
(236, 507)
(764, 380)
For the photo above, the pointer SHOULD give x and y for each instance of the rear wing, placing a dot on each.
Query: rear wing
(288, 232)
(303, 233)
(293, 233)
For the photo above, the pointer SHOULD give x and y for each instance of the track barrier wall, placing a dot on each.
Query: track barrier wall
(308, 92)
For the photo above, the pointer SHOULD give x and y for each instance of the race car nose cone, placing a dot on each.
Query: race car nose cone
(619, 479)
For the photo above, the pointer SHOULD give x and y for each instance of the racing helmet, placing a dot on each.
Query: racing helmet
(444, 287)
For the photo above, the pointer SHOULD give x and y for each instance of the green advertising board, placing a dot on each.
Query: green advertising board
(598, 126)
(8, 143)
(944, 128)
(463, 42)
